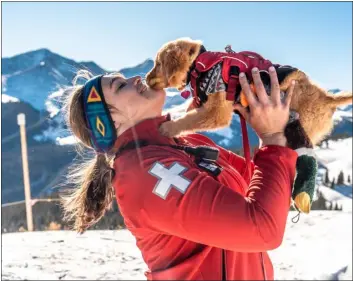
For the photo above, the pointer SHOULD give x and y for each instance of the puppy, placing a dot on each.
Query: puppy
(172, 67)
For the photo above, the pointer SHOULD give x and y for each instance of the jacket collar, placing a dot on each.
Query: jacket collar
(146, 130)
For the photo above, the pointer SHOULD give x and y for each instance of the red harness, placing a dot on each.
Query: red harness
(232, 65)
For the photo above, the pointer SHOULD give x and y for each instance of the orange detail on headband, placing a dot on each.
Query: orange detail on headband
(93, 96)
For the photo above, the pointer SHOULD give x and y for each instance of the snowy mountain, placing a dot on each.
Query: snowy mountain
(32, 76)
(140, 69)
(33, 83)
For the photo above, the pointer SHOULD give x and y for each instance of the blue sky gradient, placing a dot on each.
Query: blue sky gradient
(314, 36)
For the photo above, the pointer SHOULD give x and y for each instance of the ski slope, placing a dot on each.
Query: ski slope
(318, 247)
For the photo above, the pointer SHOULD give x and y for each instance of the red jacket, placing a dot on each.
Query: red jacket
(189, 224)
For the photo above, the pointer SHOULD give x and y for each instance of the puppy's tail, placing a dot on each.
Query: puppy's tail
(341, 98)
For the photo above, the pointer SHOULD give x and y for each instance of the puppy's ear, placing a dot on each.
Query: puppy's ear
(194, 49)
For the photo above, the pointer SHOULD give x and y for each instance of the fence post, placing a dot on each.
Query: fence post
(21, 121)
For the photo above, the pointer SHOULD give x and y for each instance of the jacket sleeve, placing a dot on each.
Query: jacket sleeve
(193, 205)
(238, 163)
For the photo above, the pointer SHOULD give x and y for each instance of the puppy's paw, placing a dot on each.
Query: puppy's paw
(169, 129)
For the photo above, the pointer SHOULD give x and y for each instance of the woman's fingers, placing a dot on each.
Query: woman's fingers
(259, 86)
(247, 91)
(275, 88)
(289, 94)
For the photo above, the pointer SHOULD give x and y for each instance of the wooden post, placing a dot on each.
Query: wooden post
(21, 121)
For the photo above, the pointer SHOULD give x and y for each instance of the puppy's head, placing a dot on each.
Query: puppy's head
(172, 64)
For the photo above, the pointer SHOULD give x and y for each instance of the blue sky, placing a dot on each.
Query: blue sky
(313, 36)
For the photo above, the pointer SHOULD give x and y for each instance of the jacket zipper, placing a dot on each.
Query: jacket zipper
(224, 269)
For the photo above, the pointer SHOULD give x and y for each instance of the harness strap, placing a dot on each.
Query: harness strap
(246, 147)
(192, 67)
(252, 54)
(232, 83)
(232, 86)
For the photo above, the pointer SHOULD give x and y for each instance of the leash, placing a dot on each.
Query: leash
(246, 147)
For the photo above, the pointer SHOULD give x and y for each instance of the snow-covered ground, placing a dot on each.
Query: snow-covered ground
(318, 247)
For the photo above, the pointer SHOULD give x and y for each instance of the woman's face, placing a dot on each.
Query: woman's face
(130, 101)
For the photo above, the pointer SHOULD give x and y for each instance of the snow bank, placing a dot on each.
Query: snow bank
(318, 247)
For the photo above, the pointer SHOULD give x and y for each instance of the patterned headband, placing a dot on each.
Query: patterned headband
(98, 118)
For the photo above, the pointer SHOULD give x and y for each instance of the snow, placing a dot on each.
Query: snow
(42, 63)
(52, 103)
(177, 111)
(171, 93)
(70, 140)
(227, 133)
(343, 112)
(6, 98)
(338, 196)
(52, 109)
(336, 158)
(318, 247)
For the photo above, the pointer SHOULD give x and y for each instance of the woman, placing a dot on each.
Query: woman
(192, 218)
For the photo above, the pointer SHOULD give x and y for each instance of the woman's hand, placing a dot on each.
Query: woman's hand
(268, 115)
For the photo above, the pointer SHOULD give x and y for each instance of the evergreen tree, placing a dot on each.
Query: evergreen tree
(320, 203)
(349, 179)
(327, 180)
(333, 183)
(336, 207)
(340, 178)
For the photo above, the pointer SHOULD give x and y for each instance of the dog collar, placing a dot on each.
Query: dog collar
(188, 77)
(97, 116)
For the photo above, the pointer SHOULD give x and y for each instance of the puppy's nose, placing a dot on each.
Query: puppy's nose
(151, 79)
(148, 78)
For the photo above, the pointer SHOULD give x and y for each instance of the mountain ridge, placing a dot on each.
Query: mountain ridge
(30, 78)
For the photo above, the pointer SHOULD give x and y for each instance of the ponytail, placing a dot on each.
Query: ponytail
(87, 203)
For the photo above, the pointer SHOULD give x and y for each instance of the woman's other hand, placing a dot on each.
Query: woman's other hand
(268, 115)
